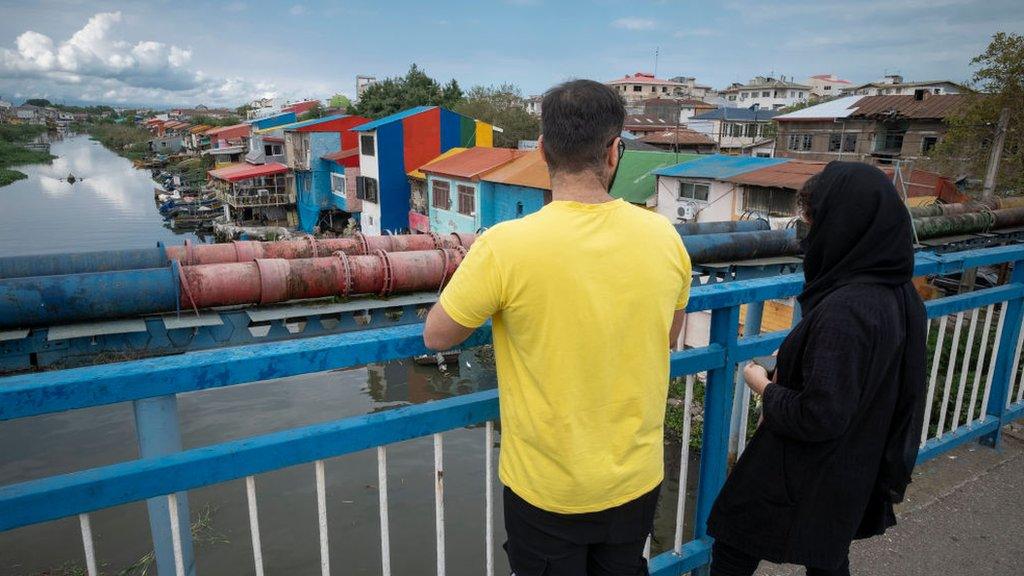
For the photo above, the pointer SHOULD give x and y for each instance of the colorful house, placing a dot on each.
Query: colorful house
(227, 143)
(697, 191)
(393, 146)
(316, 174)
(516, 189)
(458, 200)
(419, 218)
(273, 121)
(255, 194)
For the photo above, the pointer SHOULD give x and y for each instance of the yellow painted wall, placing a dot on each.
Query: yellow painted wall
(484, 134)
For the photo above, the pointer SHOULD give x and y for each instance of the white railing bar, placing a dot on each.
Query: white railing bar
(954, 349)
(927, 329)
(1013, 373)
(172, 513)
(439, 501)
(684, 461)
(931, 381)
(382, 490)
(992, 358)
(489, 495)
(964, 369)
(980, 363)
(254, 524)
(321, 514)
(741, 440)
(647, 548)
(90, 551)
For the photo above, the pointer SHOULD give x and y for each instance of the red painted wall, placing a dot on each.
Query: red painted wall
(421, 138)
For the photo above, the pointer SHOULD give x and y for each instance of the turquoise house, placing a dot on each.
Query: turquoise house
(478, 187)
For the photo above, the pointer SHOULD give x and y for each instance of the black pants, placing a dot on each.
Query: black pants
(606, 543)
(729, 561)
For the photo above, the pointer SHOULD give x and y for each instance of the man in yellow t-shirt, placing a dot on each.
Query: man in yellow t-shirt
(586, 297)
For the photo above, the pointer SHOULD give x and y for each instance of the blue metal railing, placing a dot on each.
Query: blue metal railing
(164, 469)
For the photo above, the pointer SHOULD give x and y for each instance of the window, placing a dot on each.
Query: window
(765, 94)
(892, 141)
(735, 130)
(938, 90)
(338, 184)
(750, 131)
(273, 149)
(850, 143)
(801, 94)
(826, 88)
(694, 191)
(800, 142)
(664, 89)
(835, 142)
(928, 144)
(776, 202)
(467, 200)
(366, 189)
(807, 141)
(637, 88)
(440, 195)
(732, 97)
(767, 130)
(366, 145)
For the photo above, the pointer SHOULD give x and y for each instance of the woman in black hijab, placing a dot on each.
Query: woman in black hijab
(842, 418)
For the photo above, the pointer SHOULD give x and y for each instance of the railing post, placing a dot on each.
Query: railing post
(740, 400)
(718, 398)
(156, 427)
(1002, 367)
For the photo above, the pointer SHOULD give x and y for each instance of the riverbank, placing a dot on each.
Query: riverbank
(13, 137)
(125, 140)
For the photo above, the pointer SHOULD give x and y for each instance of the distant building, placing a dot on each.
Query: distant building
(876, 129)
(635, 180)
(894, 85)
(738, 131)
(827, 85)
(391, 147)
(362, 83)
(690, 88)
(679, 139)
(635, 88)
(697, 190)
(533, 104)
(643, 124)
(516, 189)
(675, 109)
(254, 194)
(767, 93)
(168, 144)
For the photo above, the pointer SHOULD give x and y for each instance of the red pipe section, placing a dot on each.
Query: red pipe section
(309, 247)
(270, 280)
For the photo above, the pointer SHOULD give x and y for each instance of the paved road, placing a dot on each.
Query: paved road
(964, 515)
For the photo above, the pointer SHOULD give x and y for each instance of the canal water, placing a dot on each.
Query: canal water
(113, 207)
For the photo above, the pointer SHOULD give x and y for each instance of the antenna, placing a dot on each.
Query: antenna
(656, 50)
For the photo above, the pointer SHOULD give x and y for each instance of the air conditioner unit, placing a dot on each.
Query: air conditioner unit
(686, 212)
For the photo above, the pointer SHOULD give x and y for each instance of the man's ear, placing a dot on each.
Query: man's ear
(540, 146)
(613, 153)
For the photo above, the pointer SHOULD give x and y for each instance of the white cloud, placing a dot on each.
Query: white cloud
(297, 10)
(634, 23)
(94, 65)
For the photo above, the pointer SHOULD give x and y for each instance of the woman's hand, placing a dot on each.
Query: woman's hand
(756, 377)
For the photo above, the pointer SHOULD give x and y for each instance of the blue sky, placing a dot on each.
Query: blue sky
(224, 53)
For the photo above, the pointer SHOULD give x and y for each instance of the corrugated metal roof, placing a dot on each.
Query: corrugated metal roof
(528, 170)
(392, 118)
(341, 154)
(931, 106)
(642, 121)
(736, 114)
(838, 108)
(450, 152)
(678, 136)
(634, 182)
(718, 166)
(472, 162)
(643, 78)
(240, 128)
(790, 175)
(311, 122)
(301, 107)
(237, 172)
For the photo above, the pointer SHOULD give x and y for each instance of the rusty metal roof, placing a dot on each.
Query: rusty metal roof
(472, 162)
(931, 106)
(527, 170)
(791, 174)
(677, 136)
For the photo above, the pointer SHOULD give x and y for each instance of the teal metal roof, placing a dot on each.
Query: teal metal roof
(312, 122)
(392, 118)
(718, 166)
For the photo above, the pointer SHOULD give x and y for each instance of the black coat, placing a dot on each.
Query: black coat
(842, 422)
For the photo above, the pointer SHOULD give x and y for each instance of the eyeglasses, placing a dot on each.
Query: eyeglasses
(622, 146)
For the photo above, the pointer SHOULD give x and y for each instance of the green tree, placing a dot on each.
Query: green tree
(43, 102)
(339, 102)
(965, 149)
(316, 111)
(504, 107)
(416, 88)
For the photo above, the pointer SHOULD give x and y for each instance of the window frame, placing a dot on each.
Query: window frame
(693, 195)
(363, 139)
(340, 193)
(466, 195)
(447, 196)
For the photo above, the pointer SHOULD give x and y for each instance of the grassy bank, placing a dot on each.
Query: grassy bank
(127, 140)
(12, 153)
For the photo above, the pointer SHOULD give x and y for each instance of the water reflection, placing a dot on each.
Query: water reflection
(110, 205)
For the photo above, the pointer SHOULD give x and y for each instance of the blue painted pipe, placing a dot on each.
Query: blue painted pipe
(101, 261)
(49, 300)
(708, 248)
(692, 228)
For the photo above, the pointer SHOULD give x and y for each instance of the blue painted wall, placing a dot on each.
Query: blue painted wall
(313, 186)
(392, 180)
(448, 221)
(500, 202)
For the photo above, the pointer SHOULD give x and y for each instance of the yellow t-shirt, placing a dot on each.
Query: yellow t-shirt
(582, 297)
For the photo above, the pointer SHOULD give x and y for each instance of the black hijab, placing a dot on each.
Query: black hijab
(861, 233)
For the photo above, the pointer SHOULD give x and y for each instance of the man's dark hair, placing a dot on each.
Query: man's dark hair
(579, 119)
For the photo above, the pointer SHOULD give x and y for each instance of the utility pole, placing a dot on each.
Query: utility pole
(997, 151)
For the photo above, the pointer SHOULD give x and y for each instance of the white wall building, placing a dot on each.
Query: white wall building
(893, 85)
(827, 85)
(369, 219)
(766, 93)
